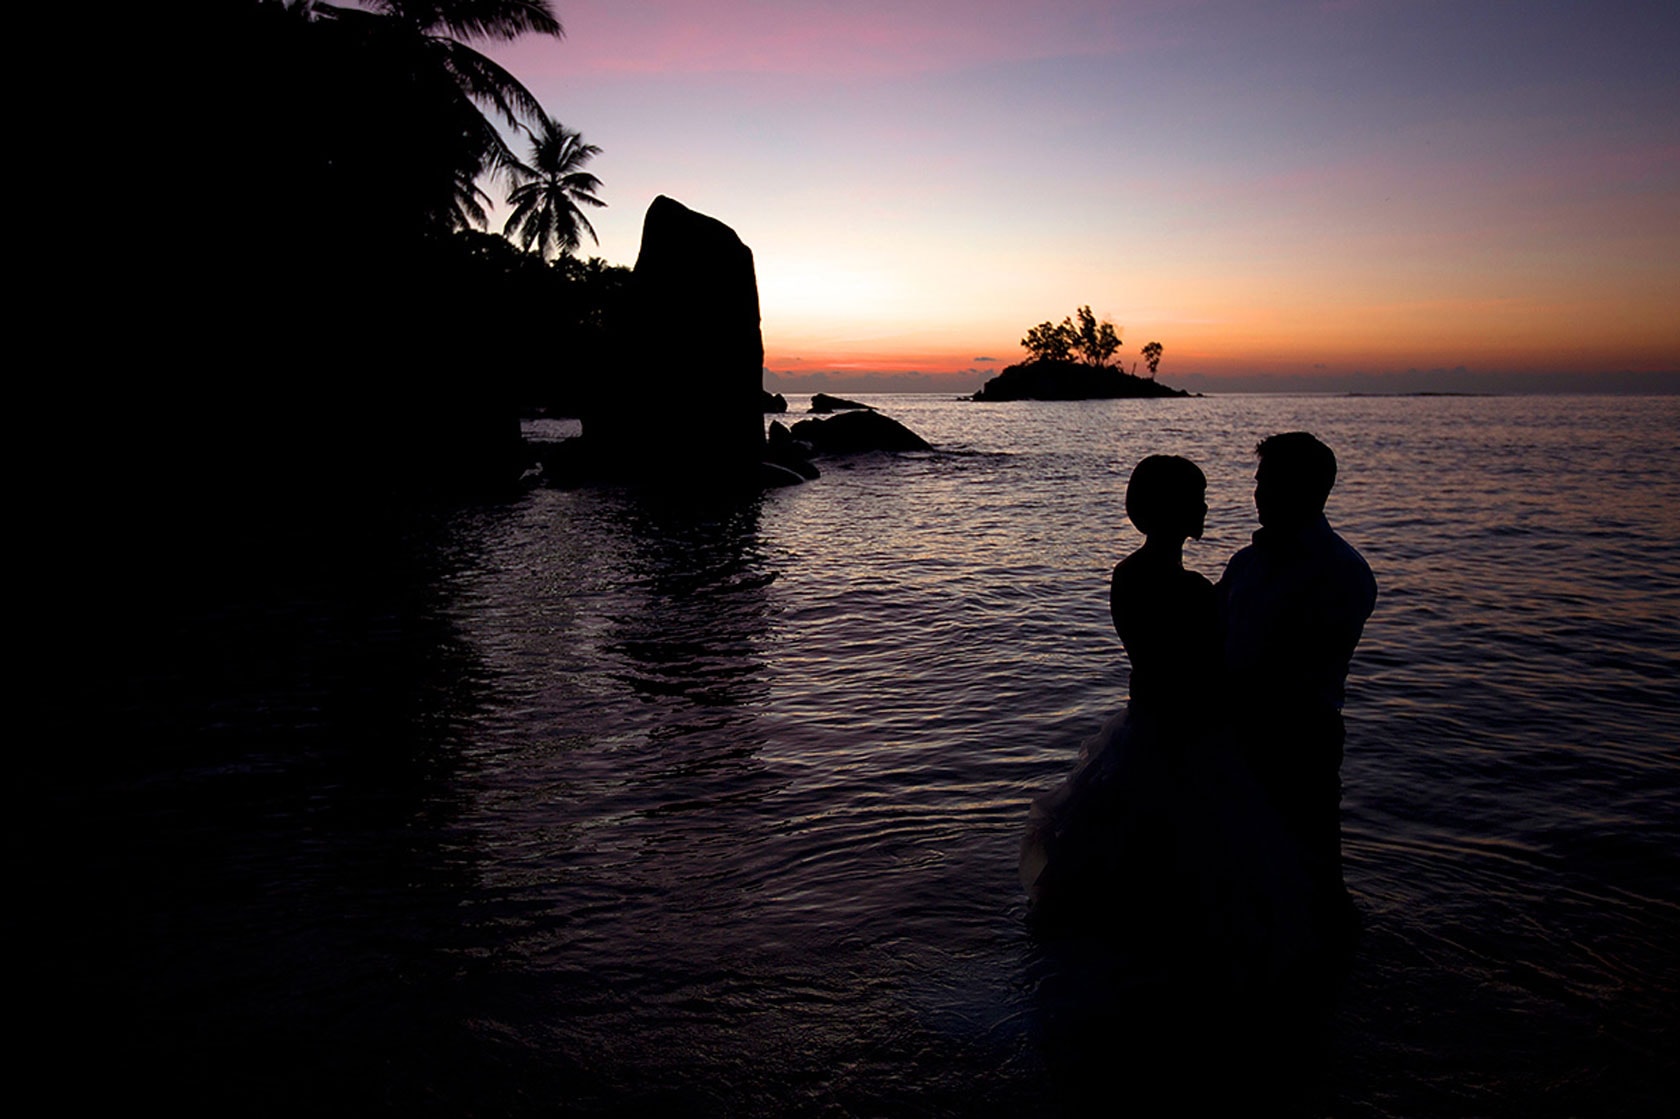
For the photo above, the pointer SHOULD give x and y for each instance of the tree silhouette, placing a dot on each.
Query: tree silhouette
(548, 192)
(1095, 342)
(471, 19)
(1152, 357)
(1050, 341)
(428, 89)
(340, 144)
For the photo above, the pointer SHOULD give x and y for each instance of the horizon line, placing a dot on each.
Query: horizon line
(1458, 380)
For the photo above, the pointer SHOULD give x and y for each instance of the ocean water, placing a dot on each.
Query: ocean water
(592, 802)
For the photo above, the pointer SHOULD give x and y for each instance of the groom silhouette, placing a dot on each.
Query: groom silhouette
(1294, 604)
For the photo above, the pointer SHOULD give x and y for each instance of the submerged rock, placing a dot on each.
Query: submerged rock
(854, 432)
(773, 474)
(785, 451)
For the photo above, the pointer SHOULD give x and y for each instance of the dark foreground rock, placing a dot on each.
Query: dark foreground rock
(854, 432)
(1069, 380)
(773, 474)
(822, 402)
(774, 403)
(786, 462)
(693, 292)
(782, 449)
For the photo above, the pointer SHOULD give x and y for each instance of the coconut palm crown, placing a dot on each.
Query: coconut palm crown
(550, 189)
(427, 86)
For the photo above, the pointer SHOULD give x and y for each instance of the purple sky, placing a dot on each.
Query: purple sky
(1269, 189)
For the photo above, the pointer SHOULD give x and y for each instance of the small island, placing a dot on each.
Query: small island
(1069, 380)
(1071, 362)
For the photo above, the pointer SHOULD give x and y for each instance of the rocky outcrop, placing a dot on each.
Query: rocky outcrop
(822, 403)
(1069, 380)
(783, 450)
(689, 403)
(854, 432)
(787, 453)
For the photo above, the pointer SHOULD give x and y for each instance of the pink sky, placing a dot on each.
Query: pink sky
(1265, 188)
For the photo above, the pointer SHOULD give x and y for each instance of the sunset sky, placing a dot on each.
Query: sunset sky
(1273, 190)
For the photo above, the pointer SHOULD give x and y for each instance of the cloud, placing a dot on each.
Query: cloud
(983, 359)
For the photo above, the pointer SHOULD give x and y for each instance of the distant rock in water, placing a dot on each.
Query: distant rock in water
(689, 403)
(1069, 380)
(853, 432)
(774, 402)
(822, 402)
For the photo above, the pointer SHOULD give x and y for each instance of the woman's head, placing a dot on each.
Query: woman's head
(1167, 495)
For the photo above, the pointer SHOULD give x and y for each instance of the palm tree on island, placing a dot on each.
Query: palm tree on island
(548, 191)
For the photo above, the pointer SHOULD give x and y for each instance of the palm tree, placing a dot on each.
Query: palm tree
(548, 192)
(444, 27)
(470, 200)
(440, 87)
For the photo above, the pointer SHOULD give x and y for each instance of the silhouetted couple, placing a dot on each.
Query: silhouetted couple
(1203, 821)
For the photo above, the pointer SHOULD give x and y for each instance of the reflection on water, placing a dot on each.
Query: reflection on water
(694, 629)
(590, 801)
(249, 851)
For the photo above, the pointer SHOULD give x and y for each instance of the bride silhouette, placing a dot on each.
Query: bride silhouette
(1160, 838)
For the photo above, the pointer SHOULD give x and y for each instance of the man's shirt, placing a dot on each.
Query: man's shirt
(1294, 605)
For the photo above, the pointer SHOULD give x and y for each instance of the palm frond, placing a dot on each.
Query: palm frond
(497, 158)
(474, 19)
(469, 212)
(583, 223)
(488, 83)
(580, 185)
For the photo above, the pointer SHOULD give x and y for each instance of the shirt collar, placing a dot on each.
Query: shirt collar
(1314, 530)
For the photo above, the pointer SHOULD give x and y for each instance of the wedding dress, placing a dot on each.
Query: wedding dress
(1160, 838)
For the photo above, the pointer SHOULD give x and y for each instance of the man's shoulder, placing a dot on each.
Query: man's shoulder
(1245, 553)
(1242, 559)
(1352, 566)
(1346, 552)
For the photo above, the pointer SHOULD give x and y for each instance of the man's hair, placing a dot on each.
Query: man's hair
(1162, 486)
(1299, 462)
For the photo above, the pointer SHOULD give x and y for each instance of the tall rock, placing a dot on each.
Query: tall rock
(686, 403)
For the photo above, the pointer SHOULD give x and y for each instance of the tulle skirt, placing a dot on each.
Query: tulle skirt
(1162, 835)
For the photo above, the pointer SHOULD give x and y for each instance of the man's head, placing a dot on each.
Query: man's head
(1295, 477)
(1167, 494)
